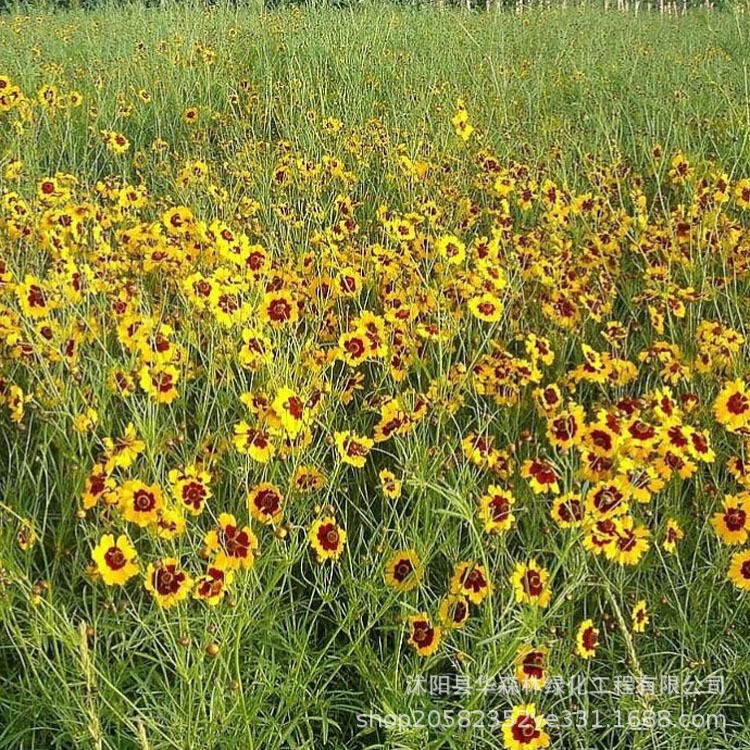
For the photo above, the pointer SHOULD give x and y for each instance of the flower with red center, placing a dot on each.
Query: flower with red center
(167, 582)
(424, 637)
(470, 580)
(629, 544)
(565, 428)
(279, 309)
(568, 510)
(403, 570)
(732, 523)
(327, 538)
(354, 347)
(254, 442)
(353, 449)
(587, 639)
(531, 667)
(530, 584)
(160, 382)
(739, 570)
(212, 586)
(495, 510)
(289, 408)
(639, 617)
(454, 611)
(608, 499)
(140, 503)
(115, 560)
(233, 547)
(541, 475)
(390, 484)
(732, 406)
(672, 534)
(308, 479)
(99, 486)
(190, 488)
(524, 730)
(487, 308)
(266, 503)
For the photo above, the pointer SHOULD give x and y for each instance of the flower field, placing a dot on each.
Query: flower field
(374, 379)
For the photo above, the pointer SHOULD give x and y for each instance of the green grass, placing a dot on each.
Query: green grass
(304, 648)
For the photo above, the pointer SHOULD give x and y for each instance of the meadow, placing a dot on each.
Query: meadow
(374, 378)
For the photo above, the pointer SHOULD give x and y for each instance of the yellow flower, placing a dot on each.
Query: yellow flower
(587, 639)
(266, 503)
(290, 409)
(403, 570)
(167, 582)
(530, 583)
(140, 503)
(732, 406)
(233, 547)
(524, 729)
(327, 538)
(424, 637)
(352, 448)
(639, 617)
(487, 308)
(470, 580)
(115, 560)
(739, 570)
(496, 510)
(451, 249)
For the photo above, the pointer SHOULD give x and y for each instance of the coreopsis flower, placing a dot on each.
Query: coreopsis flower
(568, 510)
(460, 121)
(672, 534)
(140, 503)
(565, 428)
(739, 570)
(327, 539)
(279, 309)
(639, 617)
(732, 406)
(541, 476)
(732, 523)
(99, 485)
(231, 546)
(212, 586)
(524, 729)
(308, 479)
(453, 611)
(629, 544)
(390, 485)
(122, 452)
(266, 503)
(290, 409)
(253, 442)
(587, 639)
(190, 488)
(115, 560)
(353, 449)
(530, 583)
(424, 637)
(531, 667)
(170, 524)
(160, 382)
(495, 510)
(470, 580)
(451, 249)
(26, 536)
(487, 308)
(403, 570)
(167, 582)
